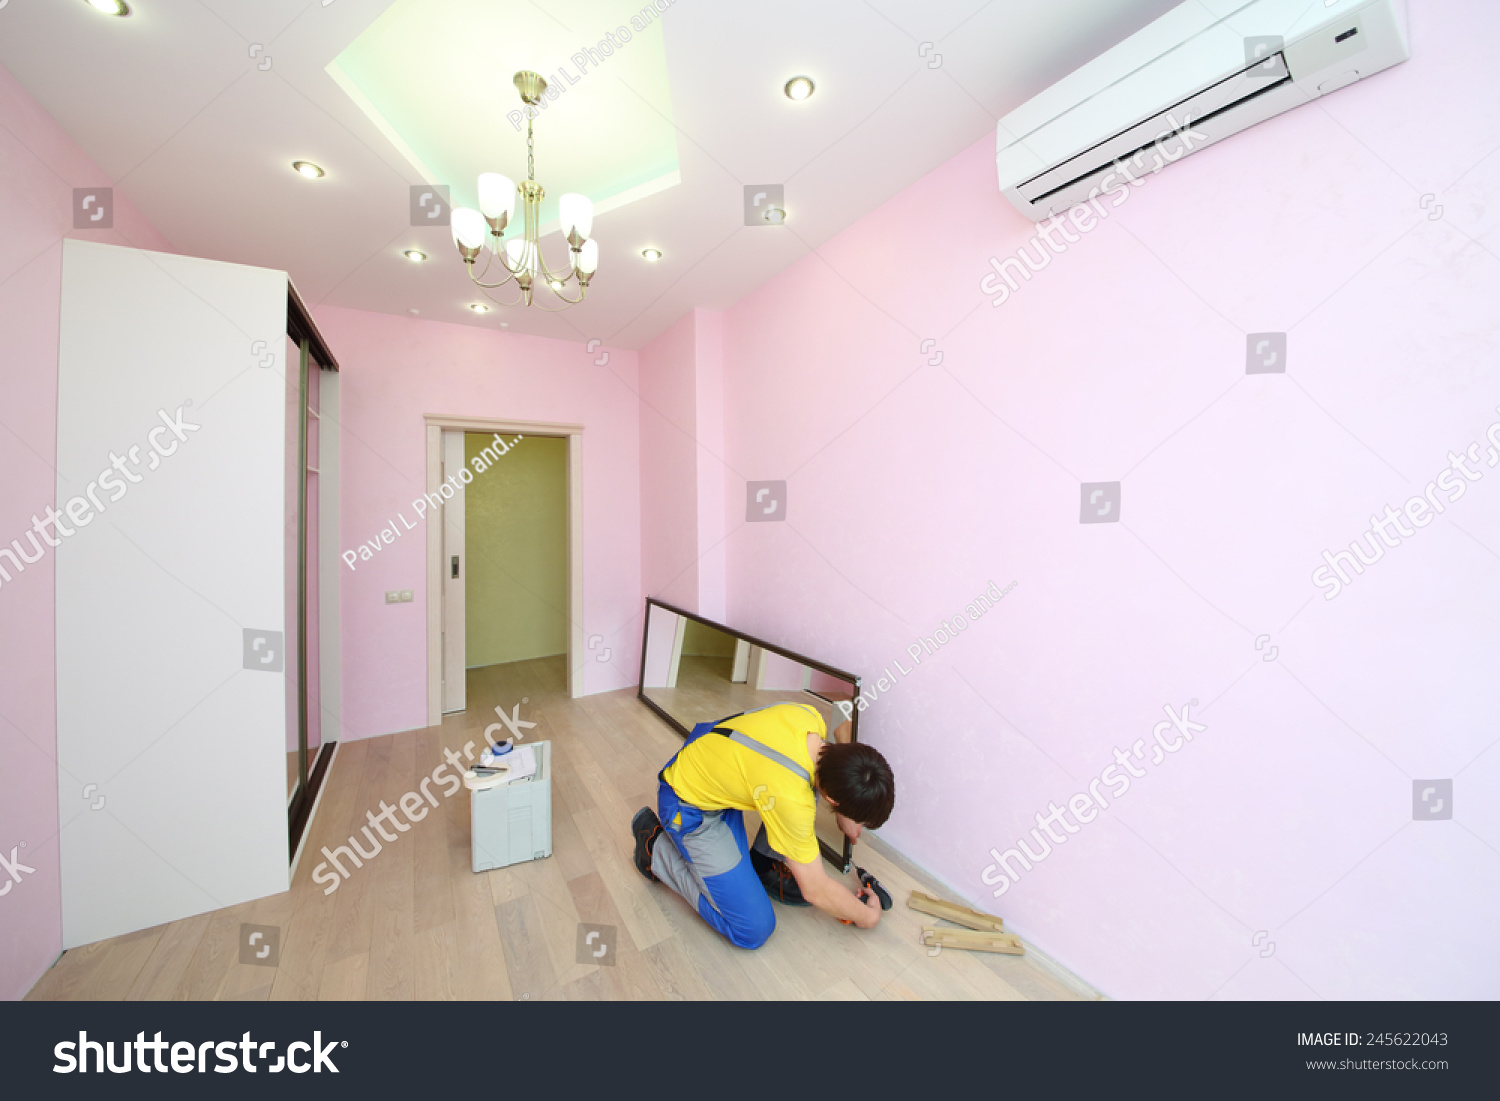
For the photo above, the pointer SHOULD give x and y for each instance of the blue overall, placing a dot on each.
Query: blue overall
(708, 862)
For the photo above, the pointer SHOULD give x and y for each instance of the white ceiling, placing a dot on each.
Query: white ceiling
(183, 119)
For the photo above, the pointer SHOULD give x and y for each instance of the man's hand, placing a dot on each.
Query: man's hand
(871, 917)
(832, 897)
(850, 828)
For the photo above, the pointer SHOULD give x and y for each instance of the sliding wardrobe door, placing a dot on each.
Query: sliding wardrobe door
(311, 573)
(172, 728)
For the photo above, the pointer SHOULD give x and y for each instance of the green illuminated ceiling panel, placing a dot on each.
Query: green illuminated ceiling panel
(435, 77)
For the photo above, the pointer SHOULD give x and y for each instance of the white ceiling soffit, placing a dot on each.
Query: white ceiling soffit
(195, 110)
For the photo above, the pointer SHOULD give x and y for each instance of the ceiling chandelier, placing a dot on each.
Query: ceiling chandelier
(519, 259)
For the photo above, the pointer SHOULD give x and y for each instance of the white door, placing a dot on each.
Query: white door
(454, 567)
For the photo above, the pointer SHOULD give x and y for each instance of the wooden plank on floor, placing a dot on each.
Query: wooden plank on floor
(952, 911)
(972, 940)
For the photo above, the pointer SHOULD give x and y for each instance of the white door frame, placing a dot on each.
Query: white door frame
(679, 636)
(455, 578)
(435, 423)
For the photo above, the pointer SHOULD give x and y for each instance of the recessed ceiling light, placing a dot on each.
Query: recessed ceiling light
(308, 169)
(416, 256)
(652, 254)
(799, 87)
(774, 215)
(505, 324)
(414, 310)
(110, 7)
(479, 307)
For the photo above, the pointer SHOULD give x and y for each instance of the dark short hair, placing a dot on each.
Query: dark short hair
(857, 778)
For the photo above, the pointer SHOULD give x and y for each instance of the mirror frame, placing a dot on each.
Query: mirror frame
(843, 861)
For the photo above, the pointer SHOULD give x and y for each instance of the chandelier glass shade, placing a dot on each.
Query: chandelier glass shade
(518, 259)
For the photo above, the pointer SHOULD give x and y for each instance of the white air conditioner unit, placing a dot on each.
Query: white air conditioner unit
(1203, 71)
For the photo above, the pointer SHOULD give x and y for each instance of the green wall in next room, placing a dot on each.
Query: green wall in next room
(706, 642)
(516, 542)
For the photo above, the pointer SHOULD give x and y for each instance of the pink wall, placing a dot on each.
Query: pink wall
(683, 472)
(393, 371)
(669, 484)
(781, 673)
(918, 476)
(39, 167)
(712, 475)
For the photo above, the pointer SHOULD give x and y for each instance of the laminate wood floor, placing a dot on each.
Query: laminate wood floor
(415, 923)
(704, 691)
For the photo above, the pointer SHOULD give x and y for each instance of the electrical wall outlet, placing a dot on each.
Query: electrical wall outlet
(393, 597)
(406, 597)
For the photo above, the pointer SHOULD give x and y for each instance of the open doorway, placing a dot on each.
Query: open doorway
(504, 542)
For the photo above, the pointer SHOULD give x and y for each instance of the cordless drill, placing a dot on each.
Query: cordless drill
(868, 883)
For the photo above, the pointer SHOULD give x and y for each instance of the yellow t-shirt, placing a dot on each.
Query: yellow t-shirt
(715, 773)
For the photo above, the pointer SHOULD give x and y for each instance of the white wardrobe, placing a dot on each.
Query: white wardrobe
(182, 697)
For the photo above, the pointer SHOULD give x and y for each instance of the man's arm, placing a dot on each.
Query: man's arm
(833, 897)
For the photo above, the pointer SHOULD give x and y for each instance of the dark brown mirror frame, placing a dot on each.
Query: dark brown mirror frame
(843, 861)
(301, 329)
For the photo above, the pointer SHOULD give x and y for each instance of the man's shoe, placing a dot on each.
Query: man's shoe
(645, 826)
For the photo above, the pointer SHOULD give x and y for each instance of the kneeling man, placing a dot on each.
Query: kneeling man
(773, 760)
